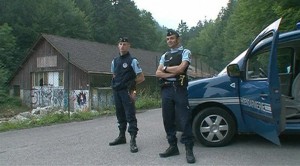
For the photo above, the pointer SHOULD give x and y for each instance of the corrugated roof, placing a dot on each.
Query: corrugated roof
(94, 57)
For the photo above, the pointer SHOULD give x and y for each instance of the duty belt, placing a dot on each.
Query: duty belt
(171, 83)
(178, 82)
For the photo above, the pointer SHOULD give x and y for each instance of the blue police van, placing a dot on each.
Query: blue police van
(258, 92)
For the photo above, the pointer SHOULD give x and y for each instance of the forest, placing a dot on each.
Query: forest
(215, 42)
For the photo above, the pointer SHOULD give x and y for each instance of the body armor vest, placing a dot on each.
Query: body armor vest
(175, 59)
(124, 73)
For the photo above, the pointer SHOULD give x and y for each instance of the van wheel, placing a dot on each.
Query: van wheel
(214, 127)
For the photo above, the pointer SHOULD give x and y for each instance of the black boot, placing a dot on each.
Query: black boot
(133, 147)
(171, 151)
(190, 158)
(121, 139)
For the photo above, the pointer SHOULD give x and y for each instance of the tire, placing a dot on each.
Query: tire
(214, 127)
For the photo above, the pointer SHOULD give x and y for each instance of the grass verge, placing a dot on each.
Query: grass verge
(145, 100)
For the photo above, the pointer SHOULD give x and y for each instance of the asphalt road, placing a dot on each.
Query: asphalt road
(86, 143)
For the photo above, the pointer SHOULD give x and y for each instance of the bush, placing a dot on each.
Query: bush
(10, 106)
(52, 119)
(10, 126)
(147, 99)
(49, 119)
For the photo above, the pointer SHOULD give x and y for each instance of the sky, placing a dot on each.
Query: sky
(169, 13)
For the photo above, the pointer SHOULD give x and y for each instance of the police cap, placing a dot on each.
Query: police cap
(123, 39)
(171, 32)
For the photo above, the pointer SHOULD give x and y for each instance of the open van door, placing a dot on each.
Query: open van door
(260, 94)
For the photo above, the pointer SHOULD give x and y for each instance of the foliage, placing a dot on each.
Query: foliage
(183, 30)
(45, 16)
(258, 17)
(147, 99)
(10, 106)
(148, 25)
(7, 46)
(100, 20)
(289, 10)
(218, 41)
(5, 126)
(3, 76)
(8, 100)
(83, 115)
(7, 51)
(49, 119)
(215, 42)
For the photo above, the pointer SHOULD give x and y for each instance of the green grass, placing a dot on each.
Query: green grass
(10, 106)
(145, 100)
(49, 119)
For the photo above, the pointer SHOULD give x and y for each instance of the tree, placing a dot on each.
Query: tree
(246, 21)
(149, 36)
(103, 21)
(128, 23)
(113, 19)
(7, 50)
(29, 18)
(289, 10)
(183, 30)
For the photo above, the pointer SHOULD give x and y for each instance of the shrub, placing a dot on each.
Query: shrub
(147, 99)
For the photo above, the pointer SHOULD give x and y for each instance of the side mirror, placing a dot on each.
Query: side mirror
(233, 70)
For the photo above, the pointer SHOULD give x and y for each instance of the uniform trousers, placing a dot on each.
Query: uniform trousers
(125, 111)
(175, 111)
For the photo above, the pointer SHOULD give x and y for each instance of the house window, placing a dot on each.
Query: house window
(47, 61)
(54, 79)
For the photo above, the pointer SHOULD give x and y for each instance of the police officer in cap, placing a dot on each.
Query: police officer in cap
(172, 72)
(126, 75)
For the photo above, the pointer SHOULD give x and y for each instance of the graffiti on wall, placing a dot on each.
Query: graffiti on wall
(47, 96)
(80, 99)
(53, 96)
(102, 97)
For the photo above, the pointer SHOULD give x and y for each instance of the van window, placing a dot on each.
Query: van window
(257, 66)
(285, 60)
(285, 69)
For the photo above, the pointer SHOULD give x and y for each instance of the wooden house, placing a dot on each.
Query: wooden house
(56, 66)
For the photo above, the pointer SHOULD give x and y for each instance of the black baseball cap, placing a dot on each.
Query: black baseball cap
(171, 32)
(123, 39)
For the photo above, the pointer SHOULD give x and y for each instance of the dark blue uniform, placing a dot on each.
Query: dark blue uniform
(175, 104)
(125, 69)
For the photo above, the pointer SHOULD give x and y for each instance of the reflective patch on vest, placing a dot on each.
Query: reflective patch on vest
(168, 60)
(125, 65)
